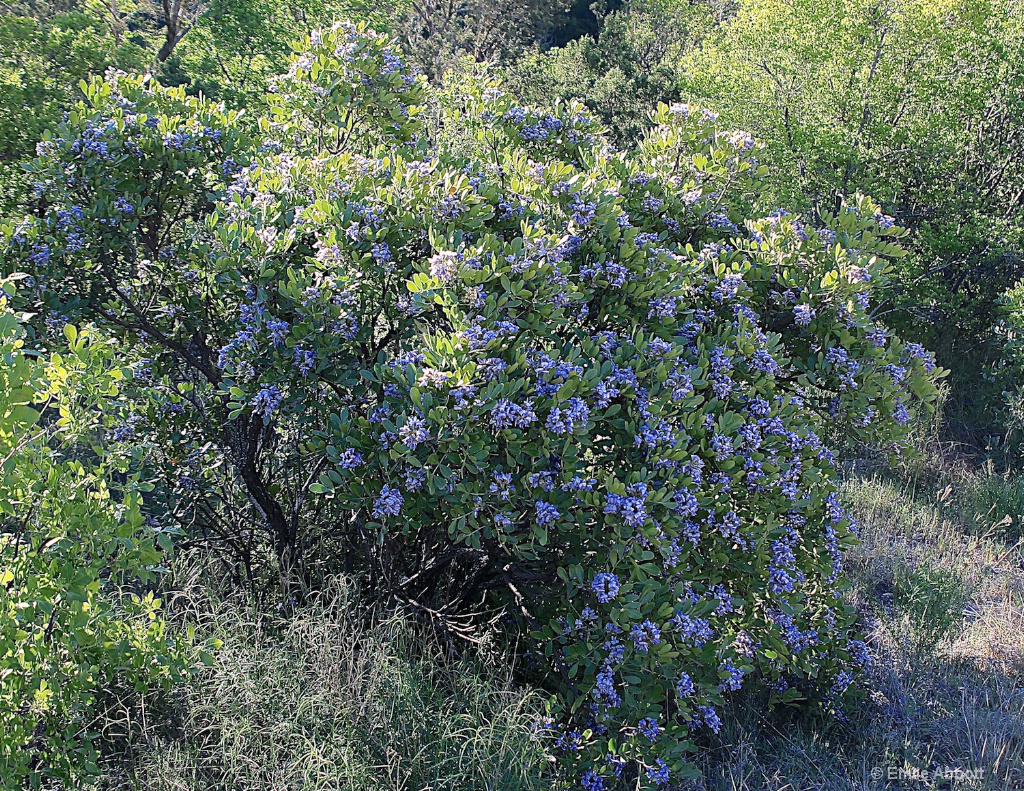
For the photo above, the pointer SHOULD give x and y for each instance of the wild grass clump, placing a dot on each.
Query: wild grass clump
(336, 697)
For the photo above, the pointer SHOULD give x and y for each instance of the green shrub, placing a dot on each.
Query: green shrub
(585, 384)
(622, 74)
(43, 62)
(75, 623)
(918, 105)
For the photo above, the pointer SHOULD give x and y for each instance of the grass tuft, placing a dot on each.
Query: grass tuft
(335, 698)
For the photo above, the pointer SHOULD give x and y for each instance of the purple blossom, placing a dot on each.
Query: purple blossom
(734, 677)
(648, 727)
(645, 635)
(278, 331)
(728, 287)
(693, 629)
(502, 486)
(846, 367)
(413, 478)
(489, 368)
(658, 773)
(918, 352)
(350, 458)
(305, 360)
(506, 413)
(414, 432)
(544, 481)
(663, 308)
(546, 513)
(450, 208)
(631, 507)
(605, 586)
(389, 503)
(604, 393)
(604, 689)
(267, 400)
(446, 267)
(710, 718)
(569, 417)
(803, 314)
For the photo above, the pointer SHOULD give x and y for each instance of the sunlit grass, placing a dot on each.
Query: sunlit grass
(333, 698)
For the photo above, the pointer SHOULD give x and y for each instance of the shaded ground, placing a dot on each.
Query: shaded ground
(938, 581)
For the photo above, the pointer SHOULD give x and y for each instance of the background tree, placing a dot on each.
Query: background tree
(437, 33)
(917, 104)
(42, 61)
(235, 46)
(622, 73)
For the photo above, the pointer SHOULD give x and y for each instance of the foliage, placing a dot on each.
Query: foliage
(437, 33)
(915, 103)
(75, 621)
(132, 222)
(584, 383)
(622, 74)
(1008, 368)
(41, 64)
(224, 49)
(235, 46)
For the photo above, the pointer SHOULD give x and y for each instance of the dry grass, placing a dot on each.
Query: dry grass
(939, 584)
(332, 698)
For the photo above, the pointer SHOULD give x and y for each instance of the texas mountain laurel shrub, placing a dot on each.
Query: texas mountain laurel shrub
(587, 384)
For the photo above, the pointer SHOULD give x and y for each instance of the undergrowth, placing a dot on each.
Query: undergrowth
(336, 696)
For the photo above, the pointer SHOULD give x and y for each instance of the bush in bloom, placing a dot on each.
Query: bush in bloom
(527, 369)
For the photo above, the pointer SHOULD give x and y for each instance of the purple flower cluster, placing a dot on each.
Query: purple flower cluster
(631, 507)
(506, 413)
(414, 432)
(684, 686)
(803, 314)
(569, 418)
(649, 728)
(547, 514)
(305, 360)
(389, 503)
(846, 367)
(691, 628)
(659, 773)
(733, 677)
(645, 635)
(783, 575)
(267, 400)
(604, 687)
(605, 586)
(350, 458)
